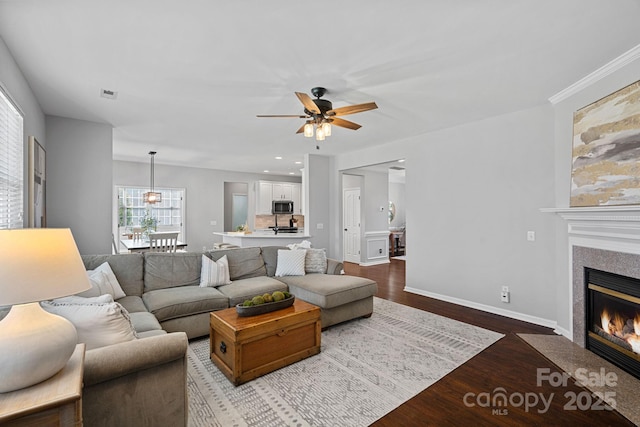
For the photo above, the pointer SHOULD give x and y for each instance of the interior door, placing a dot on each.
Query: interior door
(351, 221)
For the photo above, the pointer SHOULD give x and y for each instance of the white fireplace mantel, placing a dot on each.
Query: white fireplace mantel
(620, 225)
(611, 228)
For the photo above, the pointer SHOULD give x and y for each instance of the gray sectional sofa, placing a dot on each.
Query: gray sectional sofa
(167, 307)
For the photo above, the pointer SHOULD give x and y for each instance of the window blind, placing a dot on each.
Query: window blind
(11, 164)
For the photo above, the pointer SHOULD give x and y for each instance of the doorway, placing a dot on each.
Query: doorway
(236, 205)
(383, 214)
(239, 210)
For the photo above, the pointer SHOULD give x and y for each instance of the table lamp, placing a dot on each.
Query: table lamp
(36, 264)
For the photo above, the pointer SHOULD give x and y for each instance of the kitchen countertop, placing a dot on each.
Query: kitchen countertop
(262, 238)
(263, 235)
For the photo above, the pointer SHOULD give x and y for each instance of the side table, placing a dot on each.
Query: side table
(54, 402)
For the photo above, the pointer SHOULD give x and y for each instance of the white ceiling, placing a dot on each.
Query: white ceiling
(192, 75)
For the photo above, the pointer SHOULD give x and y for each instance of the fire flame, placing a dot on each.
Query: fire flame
(615, 325)
(604, 318)
(634, 342)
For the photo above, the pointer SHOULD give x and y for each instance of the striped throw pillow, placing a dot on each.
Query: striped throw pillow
(214, 273)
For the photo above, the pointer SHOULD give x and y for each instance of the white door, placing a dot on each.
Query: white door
(351, 221)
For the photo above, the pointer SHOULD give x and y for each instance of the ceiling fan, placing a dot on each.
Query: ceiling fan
(320, 114)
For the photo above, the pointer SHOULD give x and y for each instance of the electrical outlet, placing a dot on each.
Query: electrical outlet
(504, 296)
(531, 236)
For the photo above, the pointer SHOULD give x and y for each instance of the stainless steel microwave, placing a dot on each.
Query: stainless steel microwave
(282, 207)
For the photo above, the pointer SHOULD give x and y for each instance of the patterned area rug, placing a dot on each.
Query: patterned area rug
(367, 367)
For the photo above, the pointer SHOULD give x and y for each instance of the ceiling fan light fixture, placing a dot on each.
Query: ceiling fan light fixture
(326, 128)
(319, 134)
(308, 129)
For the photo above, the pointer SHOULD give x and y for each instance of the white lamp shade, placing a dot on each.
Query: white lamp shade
(38, 264)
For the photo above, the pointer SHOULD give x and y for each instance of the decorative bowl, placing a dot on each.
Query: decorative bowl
(267, 307)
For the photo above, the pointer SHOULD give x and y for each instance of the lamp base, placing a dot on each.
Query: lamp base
(34, 346)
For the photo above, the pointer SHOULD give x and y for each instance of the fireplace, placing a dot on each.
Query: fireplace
(612, 318)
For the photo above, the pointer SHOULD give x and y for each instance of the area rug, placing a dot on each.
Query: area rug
(367, 367)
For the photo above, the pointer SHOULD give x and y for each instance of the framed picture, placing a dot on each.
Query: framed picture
(606, 151)
(37, 184)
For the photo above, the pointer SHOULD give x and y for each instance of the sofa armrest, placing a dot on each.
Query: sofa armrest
(137, 383)
(113, 361)
(334, 266)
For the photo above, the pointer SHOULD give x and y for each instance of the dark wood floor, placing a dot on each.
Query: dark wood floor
(510, 364)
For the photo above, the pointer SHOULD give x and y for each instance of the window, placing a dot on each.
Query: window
(11, 164)
(169, 213)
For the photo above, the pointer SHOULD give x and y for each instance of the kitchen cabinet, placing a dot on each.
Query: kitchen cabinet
(264, 198)
(297, 200)
(268, 191)
(282, 191)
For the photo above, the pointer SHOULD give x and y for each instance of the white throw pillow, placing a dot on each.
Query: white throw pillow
(290, 262)
(315, 261)
(97, 324)
(214, 273)
(116, 290)
(100, 285)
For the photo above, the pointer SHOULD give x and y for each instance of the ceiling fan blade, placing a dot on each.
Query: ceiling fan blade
(345, 123)
(308, 102)
(352, 109)
(297, 116)
(301, 130)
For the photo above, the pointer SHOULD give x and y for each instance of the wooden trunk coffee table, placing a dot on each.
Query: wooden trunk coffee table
(244, 348)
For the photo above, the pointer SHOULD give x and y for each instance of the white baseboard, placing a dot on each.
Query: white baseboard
(562, 331)
(370, 263)
(489, 309)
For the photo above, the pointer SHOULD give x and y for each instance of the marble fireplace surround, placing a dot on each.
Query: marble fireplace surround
(603, 238)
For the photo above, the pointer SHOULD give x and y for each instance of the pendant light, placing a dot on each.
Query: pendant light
(151, 196)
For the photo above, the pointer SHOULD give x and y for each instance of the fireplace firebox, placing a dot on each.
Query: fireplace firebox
(613, 318)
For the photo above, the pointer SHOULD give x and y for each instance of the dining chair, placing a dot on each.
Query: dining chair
(163, 242)
(113, 243)
(137, 233)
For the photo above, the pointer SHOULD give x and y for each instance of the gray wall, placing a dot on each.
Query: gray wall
(397, 196)
(14, 83)
(79, 181)
(318, 204)
(472, 193)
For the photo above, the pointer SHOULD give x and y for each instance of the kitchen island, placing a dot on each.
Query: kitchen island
(262, 238)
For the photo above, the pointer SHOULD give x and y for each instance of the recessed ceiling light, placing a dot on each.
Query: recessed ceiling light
(292, 173)
(109, 94)
(278, 157)
(265, 171)
(401, 161)
(298, 163)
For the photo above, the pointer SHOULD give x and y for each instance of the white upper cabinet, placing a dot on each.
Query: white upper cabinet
(268, 191)
(282, 191)
(264, 198)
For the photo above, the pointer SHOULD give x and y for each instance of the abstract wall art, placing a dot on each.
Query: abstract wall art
(606, 151)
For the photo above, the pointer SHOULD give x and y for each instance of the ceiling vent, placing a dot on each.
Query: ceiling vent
(109, 94)
(397, 168)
